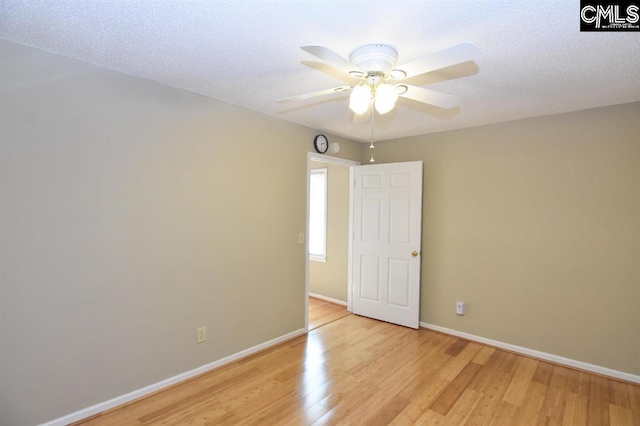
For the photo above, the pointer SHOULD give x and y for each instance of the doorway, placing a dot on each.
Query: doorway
(328, 269)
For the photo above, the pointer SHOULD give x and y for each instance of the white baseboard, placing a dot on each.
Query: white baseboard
(537, 354)
(327, 299)
(123, 399)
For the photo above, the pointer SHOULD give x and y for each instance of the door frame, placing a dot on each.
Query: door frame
(322, 158)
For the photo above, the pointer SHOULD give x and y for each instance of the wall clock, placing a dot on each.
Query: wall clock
(321, 143)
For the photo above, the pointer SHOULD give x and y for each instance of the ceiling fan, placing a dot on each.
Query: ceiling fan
(381, 81)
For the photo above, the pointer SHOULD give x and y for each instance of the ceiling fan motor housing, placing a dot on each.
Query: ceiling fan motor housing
(374, 58)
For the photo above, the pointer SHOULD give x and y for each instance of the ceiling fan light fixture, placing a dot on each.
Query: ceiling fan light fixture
(382, 107)
(360, 99)
(386, 97)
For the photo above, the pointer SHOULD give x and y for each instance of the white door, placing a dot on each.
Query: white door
(386, 247)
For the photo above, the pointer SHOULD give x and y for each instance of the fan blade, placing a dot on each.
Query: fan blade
(457, 54)
(426, 96)
(314, 94)
(333, 59)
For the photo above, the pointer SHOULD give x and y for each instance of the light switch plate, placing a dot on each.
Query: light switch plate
(201, 334)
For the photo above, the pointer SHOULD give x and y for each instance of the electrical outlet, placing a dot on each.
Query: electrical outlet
(201, 334)
(461, 308)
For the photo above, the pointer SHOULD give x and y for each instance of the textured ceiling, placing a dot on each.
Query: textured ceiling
(534, 60)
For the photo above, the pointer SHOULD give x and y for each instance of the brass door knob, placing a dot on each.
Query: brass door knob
(414, 253)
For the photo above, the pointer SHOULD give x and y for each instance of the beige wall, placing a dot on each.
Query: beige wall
(132, 213)
(330, 278)
(536, 225)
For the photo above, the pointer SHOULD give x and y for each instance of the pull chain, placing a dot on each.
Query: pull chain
(371, 147)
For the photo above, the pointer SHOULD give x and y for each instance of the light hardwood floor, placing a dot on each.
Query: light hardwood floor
(360, 371)
(322, 312)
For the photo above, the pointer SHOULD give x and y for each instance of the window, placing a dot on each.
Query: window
(318, 215)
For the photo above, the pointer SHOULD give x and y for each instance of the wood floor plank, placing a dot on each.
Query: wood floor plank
(430, 418)
(554, 403)
(328, 389)
(451, 370)
(421, 399)
(526, 368)
(598, 407)
(270, 410)
(504, 415)
(530, 413)
(489, 370)
(560, 378)
(450, 396)
(305, 417)
(543, 373)
(619, 394)
(463, 408)
(484, 355)
(356, 370)
(634, 402)
(386, 413)
(620, 416)
(457, 347)
(577, 381)
(494, 389)
(575, 412)
(341, 405)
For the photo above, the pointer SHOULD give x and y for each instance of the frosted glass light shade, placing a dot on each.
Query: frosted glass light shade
(386, 97)
(360, 99)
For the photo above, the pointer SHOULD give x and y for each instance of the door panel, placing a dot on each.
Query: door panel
(400, 180)
(399, 277)
(370, 283)
(387, 230)
(370, 219)
(400, 220)
(371, 180)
